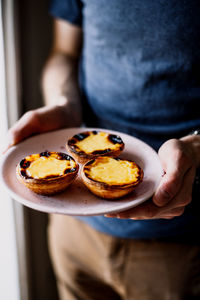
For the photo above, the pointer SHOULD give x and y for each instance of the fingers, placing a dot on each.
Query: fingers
(176, 212)
(37, 121)
(146, 210)
(174, 208)
(184, 197)
(28, 124)
(52, 117)
(168, 188)
(175, 163)
(175, 189)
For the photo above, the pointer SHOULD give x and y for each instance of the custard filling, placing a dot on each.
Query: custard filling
(96, 142)
(41, 167)
(112, 171)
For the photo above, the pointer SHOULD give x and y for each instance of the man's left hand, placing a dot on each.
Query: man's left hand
(179, 159)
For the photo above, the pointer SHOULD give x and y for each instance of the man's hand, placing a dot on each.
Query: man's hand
(43, 119)
(179, 159)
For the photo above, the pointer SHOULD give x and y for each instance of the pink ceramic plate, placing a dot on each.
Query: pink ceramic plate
(77, 200)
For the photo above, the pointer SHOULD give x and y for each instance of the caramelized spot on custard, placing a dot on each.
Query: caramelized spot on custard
(24, 163)
(45, 153)
(115, 139)
(63, 156)
(50, 176)
(72, 141)
(23, 173)
(96, 152)
(89, 163)
(69, 170)
(81, 136)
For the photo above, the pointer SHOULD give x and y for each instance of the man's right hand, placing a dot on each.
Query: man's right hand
(41, 120)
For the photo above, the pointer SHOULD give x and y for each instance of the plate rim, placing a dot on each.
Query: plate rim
(39, 207)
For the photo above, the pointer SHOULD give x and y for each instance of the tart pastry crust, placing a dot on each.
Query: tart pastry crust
(111, 178)
(47, 173)
(91, 144)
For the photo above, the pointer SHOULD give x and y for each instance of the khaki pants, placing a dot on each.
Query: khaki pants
(90, 265)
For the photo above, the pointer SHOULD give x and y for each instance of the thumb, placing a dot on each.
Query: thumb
(172, 161)
(168, 188)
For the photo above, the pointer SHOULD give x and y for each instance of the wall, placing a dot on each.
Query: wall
(35, 26)
(8, 251)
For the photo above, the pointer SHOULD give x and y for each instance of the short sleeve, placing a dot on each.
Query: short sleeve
(69, 10)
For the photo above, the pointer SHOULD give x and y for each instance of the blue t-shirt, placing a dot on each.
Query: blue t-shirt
(140, 74)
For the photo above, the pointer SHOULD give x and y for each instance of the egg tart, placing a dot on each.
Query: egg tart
(111, 178)
(91, 144)
(47, 173)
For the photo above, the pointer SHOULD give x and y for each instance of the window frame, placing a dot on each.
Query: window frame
(15, 283)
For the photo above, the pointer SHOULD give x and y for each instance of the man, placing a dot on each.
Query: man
(135, 66)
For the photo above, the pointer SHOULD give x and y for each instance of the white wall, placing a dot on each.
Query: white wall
(9, 280)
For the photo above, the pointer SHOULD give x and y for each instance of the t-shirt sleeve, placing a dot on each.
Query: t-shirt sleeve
(69, 10)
